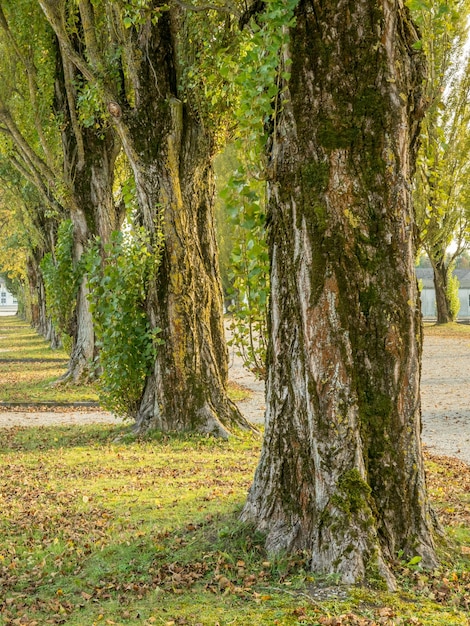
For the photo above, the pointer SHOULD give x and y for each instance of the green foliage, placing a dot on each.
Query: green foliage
(453, 292)
(62, 278)
(252, 73)
(441, 191)
(262, 69)
(125, 338)
(88, 104)
(248, 269)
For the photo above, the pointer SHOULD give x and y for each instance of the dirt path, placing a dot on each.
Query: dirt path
(445, 391)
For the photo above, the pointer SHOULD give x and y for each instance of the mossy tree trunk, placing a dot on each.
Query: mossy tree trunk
(37, 298)
(93, 213)
(42, 241)
(170, 153)
(89, 157)
(170, 150)
(36, 305)
(341, 471)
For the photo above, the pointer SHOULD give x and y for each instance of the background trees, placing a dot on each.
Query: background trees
(29, 143)
(69, 163)
(441, 192)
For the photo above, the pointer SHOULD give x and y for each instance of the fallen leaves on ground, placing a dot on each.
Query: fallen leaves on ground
(64, 507)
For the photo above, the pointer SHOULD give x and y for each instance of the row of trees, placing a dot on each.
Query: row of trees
(108, 106)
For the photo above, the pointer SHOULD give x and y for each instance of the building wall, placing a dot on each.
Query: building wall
(464, 297)
(6, 298)
(428, 303)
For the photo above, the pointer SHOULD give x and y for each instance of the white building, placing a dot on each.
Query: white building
(8, 302)
(428, 296)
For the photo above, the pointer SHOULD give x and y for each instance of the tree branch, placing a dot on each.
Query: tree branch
(28, 154)
(89, 31)
(49, 9)
(31, 73)
(37, 182)
(71, 101)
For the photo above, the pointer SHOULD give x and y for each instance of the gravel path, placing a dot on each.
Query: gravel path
(445, 396)
(445, 392)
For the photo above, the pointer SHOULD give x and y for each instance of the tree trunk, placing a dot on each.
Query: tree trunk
(341, 471)
(93, 214)
(170, 154)
(33, 279)
(444, 315)
(89, 158)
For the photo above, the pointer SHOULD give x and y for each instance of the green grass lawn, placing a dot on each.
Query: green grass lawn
(97, 527)
(29, 368)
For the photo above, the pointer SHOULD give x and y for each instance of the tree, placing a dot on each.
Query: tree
(341, 472)
(70, 160)
(28, 146)
(90, 149)
(28, 233)
(133, 58)
(441, 191)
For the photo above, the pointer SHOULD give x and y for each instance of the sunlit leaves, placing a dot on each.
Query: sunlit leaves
(62, 279)
(117, 301)
(254, 69)
(248, 270)
(441, 190)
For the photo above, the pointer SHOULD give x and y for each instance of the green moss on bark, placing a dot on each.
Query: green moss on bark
(353, 493)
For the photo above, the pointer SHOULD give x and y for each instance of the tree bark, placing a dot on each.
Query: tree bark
(89, 157)
(444, 315)
(187, 387)
(170, 153)
(37, 314)
(341, 472)
(93, 213)
(33, 278)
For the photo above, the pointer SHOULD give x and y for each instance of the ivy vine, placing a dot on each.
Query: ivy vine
(127, 343)
(62, 277)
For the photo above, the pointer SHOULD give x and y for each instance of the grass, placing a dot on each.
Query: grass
(100, 528)
(97, 527)
(29, 369)
(451, 330)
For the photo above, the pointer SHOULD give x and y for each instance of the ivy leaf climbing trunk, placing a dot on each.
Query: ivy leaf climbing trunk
(341, 471)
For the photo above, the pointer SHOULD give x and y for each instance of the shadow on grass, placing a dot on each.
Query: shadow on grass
(148, 569)
(43, 438)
